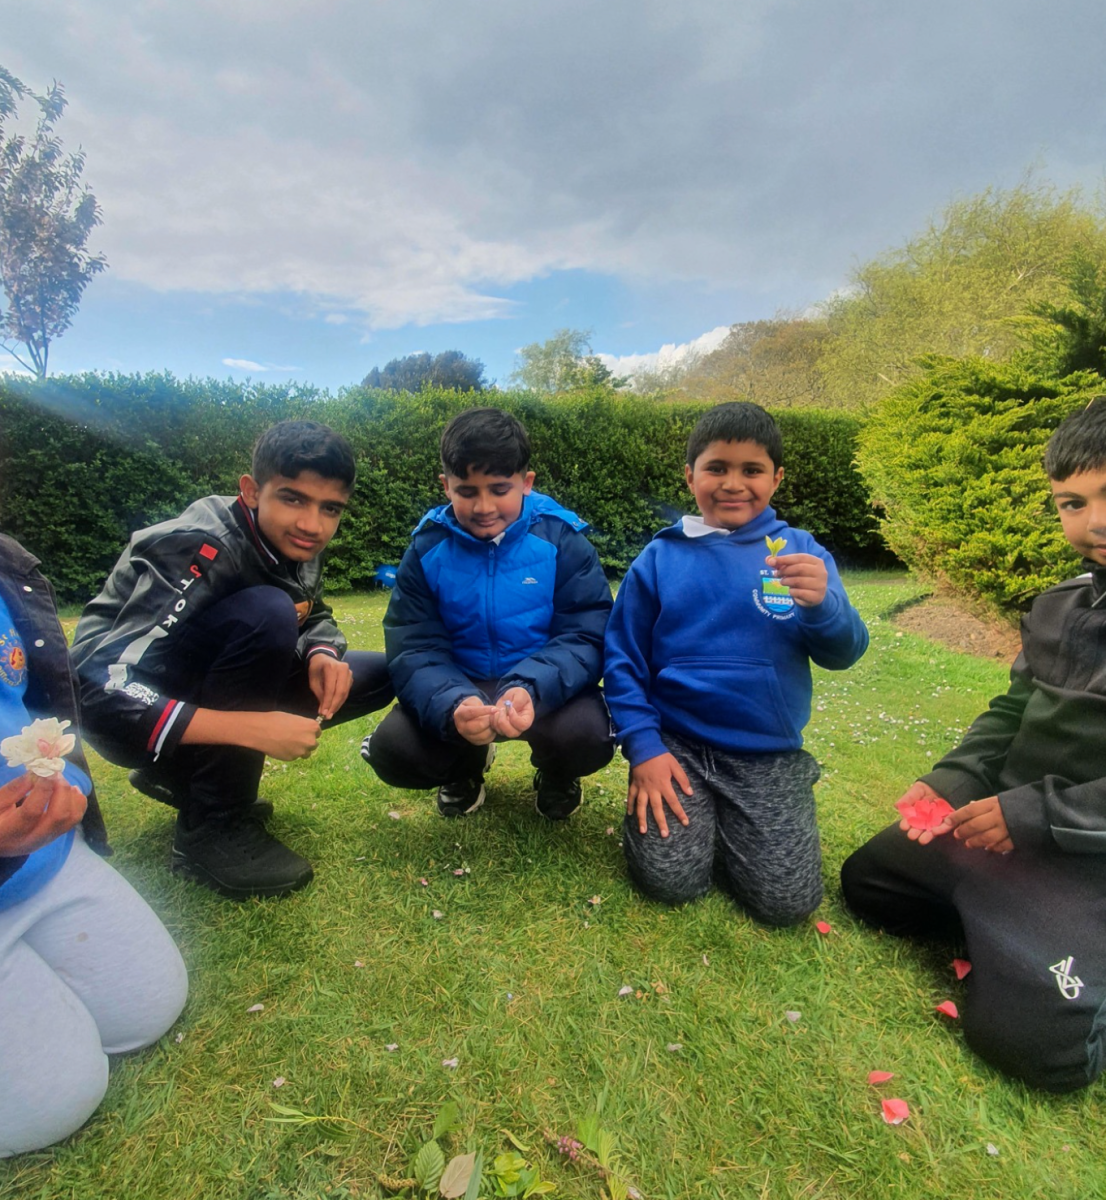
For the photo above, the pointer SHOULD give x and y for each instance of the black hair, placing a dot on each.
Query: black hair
(290, 447)
(738, 421)
(1079, 443)
(485, 439)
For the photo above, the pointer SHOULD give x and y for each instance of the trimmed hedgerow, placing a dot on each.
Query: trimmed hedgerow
(86, 460)
(953, 459)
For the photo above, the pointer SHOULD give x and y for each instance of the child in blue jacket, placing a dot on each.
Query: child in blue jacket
(494, 630)
(708, 680)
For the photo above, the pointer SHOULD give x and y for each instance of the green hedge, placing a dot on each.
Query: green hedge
(86, 460)
(954, 461)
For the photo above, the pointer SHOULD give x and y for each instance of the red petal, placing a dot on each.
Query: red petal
(823, 927)
(875, 1077)
(948, 1009)
(961, 966)
(895, 1111)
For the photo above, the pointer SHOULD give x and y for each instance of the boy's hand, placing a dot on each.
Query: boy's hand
(34, 811)
(651, 788)
(330, 681)
(982, 826)
(914, 793)
(805, 576)
(283, 735)
(472, 719)
(514, 712)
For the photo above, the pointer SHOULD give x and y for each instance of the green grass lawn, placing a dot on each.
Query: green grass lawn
(519, 980)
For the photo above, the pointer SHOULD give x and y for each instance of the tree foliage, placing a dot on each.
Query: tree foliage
(967, 286)
(564, 363)
(450, 369)
(46, 216)
(773, 363)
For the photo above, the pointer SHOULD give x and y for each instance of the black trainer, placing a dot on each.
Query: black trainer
(557, 799)
(460, 797)
(236, 856)
(149, 785)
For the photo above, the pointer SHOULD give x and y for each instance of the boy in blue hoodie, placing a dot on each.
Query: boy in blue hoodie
(708, 680)
(494, 630)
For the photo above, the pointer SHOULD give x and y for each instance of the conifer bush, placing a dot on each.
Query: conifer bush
(953, 460)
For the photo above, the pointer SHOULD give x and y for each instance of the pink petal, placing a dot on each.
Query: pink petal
(459, 871)
(424, 883)
(948, 1009)
(961, 966)
(256, 1008)
(823, 927)
(895, 1111)
(595, 900)
(280, 1081)
(358, 963)
(877, 1077)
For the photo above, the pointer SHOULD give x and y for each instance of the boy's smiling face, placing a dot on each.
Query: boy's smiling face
(484, 504)
(1081, 502)
(732, 483)
(297, 516)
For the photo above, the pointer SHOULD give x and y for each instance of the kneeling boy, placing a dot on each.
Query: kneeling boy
(210, 647)
(494, 630)
(1022, 879)
(708, 679)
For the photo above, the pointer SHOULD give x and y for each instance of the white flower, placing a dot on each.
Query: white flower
(40, 747)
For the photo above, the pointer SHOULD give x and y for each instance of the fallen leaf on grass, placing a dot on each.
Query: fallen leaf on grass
(924, 813)
(706, 961)
(450, 1063)
(675, 1047)
(961, 966)
(992, 1149)
(256, 1008)
(823, 927)
(948, 1009)
(877, 1077)
(455, 1178)
(895, 1111)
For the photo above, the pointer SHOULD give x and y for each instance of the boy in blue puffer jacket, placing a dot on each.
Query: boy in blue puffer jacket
(494, 630)
(708, 679)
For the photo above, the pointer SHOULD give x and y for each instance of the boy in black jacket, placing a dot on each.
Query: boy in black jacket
(210, 647)
(1017, 870)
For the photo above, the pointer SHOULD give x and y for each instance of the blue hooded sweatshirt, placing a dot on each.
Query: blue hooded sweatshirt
(526, 611)
(705, 644)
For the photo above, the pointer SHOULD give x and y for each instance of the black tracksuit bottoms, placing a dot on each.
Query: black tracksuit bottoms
(1034, 927)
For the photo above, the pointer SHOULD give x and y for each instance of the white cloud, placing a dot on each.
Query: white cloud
(9, 365)
(668, 357)
(247, 364)
(408, 164)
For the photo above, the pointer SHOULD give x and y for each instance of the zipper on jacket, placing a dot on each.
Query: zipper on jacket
(493, 641)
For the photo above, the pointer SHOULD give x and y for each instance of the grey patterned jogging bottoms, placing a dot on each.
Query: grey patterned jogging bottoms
(751, 825)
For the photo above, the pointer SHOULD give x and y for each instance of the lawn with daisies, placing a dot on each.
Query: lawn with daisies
(492, 986)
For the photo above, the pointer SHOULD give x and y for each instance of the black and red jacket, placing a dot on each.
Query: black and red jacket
(168, 574)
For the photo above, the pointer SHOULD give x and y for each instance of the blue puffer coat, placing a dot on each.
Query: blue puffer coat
(527, 612)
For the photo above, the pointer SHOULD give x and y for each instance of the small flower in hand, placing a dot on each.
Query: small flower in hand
(924, 813)
(41, 747)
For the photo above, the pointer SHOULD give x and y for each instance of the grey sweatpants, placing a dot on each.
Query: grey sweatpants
(751, 824)
(86, 970)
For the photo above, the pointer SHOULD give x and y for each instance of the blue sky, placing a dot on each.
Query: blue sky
(315, 188)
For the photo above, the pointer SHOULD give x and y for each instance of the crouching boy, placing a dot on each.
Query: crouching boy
(708, 680)
(494, 630)
(210, 647)
(1016, 872)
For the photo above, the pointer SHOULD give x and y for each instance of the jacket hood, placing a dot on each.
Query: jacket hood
(534, 507)
(766, 524)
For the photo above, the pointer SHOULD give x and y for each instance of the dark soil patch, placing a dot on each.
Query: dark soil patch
(952, 624)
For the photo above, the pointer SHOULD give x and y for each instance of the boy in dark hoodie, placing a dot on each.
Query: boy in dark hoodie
(494, 630)
(1016, 870)
(708, 680)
